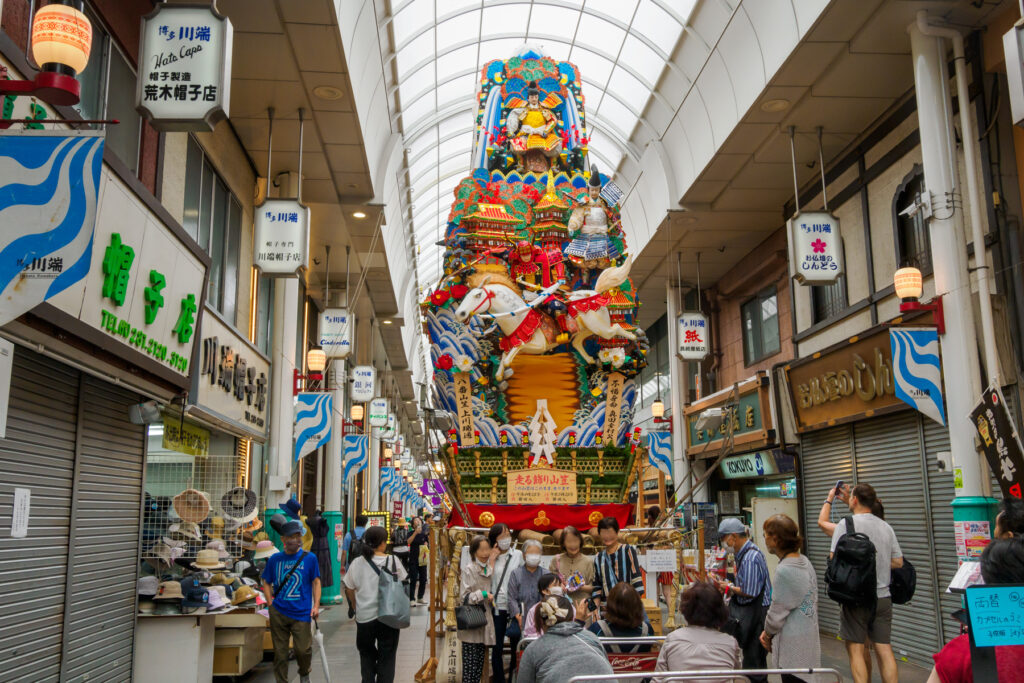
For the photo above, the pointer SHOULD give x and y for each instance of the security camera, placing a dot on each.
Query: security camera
(145, 413)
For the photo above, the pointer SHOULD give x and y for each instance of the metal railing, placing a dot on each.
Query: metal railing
(638, 640)
(714, 674)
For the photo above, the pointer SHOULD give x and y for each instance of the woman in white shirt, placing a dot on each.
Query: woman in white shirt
(502, 555)
(377, 643)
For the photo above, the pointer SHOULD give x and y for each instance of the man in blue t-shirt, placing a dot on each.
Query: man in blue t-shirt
(293, 598)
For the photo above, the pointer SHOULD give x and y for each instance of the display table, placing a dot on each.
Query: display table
(238, 642)
(173, 648)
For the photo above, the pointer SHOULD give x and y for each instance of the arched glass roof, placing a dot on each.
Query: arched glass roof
(439, 46)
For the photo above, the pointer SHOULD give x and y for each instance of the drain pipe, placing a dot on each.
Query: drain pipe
(970, 136)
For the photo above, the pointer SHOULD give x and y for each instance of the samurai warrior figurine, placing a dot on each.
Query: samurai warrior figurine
(591, 247)
(531, 130)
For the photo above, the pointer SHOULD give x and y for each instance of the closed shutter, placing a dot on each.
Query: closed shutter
(888, 455)
(38, 454)
(825, 457)
(941, 494)
(105, 542)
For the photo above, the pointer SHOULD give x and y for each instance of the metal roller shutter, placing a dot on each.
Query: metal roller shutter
(889, 456)
(105, 538)
(941, 493)
(38, 454)
(825, 457)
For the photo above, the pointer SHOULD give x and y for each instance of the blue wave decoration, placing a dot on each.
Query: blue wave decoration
(659, 451)
(917, 370)
(312, 422)
(355, 454)
(49, 186)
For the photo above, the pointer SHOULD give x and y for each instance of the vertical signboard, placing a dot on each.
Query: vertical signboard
(379, 412)
(613, 408)
(692, 333)
(815, 248)
(999, 441)
(184, 81)
(281, 242)
(363, 379)
(464, 405)
(336, 332)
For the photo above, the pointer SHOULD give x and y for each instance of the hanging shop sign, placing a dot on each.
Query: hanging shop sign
(355, 455)
(51, 249)
(917, 369)
(815, 248)
(388, 432)
(379, 412)
(336, 332)
(757, 464)
(1000, 441)
(747, 424)
(185, 437)
(848, 382)
(541, 485)
(312, 422)
(1013, 51)
(281, 241)
(692, 336)
(232, 385)
(364, 377)
(184, 81)
(142, 298)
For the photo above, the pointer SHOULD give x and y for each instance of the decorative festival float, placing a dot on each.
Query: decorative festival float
(532, 328)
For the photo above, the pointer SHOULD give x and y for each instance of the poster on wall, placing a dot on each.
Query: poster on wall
(815, 248)
(184, 81)
(281, 242)
(52, 247)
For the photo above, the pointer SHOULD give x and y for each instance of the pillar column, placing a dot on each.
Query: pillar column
(282, 402)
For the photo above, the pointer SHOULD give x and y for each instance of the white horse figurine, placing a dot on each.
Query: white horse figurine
(522, 325)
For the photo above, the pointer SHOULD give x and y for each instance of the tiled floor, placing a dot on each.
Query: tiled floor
(414, 648)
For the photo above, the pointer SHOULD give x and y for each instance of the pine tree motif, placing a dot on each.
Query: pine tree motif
(542, 434)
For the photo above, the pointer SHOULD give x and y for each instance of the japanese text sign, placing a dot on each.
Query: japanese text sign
(185, 68)
(185, 437)
(379, 412)
(336, 332)
(233, 381)
(364, 377)
(999, 441)
(464, 405)
(613, 408)
(815, 248)
(997, 615)
(541, 485)
(281, 242)
(660, 561)
(692, 336)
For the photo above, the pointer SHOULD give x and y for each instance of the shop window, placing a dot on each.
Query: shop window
(213, 218)
(108, 92)
(760, 326)
(264, 313)
(913, 245)
(828, 301)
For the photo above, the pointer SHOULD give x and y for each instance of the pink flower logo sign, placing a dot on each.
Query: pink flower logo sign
(818, 246)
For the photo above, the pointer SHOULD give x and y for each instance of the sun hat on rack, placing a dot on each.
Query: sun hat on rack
(208, 559)
(192, 505)
(192, 592)
(222, 552)
(277, 521)
(169, 590)
(158, 556)
(185, 531)
(264, 549)
(244, 595)
(252, 526)
(239, 504)
(292, 508)
(148, 586)
(218, 598)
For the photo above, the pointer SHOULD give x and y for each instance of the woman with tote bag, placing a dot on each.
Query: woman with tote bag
(476, 592)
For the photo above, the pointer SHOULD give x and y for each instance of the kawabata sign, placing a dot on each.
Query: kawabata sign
(379, 412)
(815, 248)
(692, 336)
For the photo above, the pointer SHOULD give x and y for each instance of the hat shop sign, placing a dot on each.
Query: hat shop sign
(815, 248)
(232, 385)
(184, 69)
(281, 243)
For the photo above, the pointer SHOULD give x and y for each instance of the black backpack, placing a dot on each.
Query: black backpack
(850, 576)
(400, 536)
(903, 583)
(355, 549)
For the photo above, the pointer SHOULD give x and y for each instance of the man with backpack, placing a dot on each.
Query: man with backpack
(751, 594)
(864, 553)
(400, 542)
(353, 538)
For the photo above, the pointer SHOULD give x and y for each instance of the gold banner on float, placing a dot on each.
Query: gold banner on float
(541, 485)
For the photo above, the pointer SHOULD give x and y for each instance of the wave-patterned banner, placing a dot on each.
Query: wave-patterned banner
(312, 422)
(917, 370)
(355, 455)
(659, 451)
(49, 187)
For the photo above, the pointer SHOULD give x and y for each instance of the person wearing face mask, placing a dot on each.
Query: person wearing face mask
(547, 585)
(476, 590)
(751, 593)
(523, 590)
(504, 560)
(575, 569)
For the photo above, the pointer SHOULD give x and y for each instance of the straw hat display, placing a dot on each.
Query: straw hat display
(264, 549)
(222, 552)
(208, 559)
(243, 595)
(158, 556)
(192, 506)
(185, 531)
(169, 590)
(239, 505)
(218, 598)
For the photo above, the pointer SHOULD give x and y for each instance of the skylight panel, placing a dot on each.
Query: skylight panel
(410, 19)
(459, 121)
(618, 116)
(459, 28)
(558, 51)
(656, 24)
(457, 61)
(550, 20)
(599, 34)
(642, 59)
(505, 19)
(628, 89)
(414, 112)
(622, 10)
(461, 90)
(417, 83)
(410, 56)
(498, 49)
(594, 67)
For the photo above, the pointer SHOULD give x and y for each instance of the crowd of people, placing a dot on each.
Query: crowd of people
(749, 620)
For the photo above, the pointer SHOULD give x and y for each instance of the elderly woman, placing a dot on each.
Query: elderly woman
(476, 590)
(701, 645)
(523, 592)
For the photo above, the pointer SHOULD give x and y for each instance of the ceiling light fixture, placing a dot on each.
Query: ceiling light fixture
(385, 322)
(358, 214)
(772, 106)
(328, 92)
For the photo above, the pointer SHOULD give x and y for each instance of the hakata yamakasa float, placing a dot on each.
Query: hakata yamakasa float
(532, 327)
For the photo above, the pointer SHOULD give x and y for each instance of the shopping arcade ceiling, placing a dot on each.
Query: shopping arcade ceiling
(433, 53)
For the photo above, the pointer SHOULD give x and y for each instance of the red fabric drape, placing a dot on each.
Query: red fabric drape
(543, 518)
